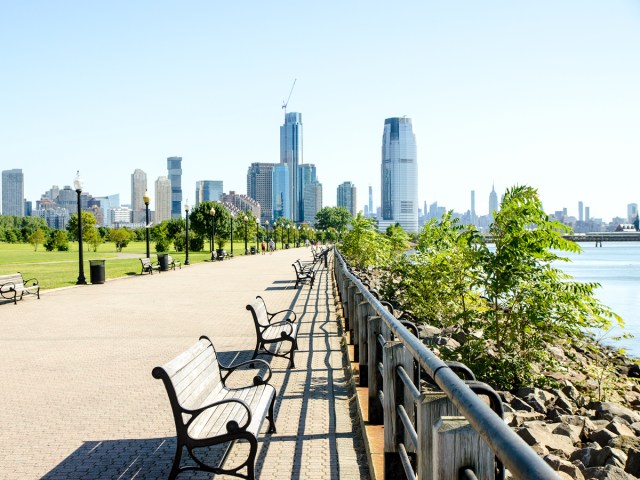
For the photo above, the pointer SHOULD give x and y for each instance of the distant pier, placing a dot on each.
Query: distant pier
(595, 237)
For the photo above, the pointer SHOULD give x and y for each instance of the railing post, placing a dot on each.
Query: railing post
(357, 318)
(374, 350)
(351, 290)
(394, 355)
(432, 406)
(365, 311)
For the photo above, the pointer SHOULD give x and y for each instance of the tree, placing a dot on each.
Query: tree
(362, 245)
(121, 237)
(88, 223)
(159, 233)
(93, 238)
(332, 217)
(36, 238)
(57, 240)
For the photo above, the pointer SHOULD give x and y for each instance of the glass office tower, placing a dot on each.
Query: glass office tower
(399, 175)
(13, 192)
(174, 166)
(291, 155)
(280, 187)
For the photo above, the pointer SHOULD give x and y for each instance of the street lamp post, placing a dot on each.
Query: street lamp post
(146, 230)
(246, 224)
(257, 232)
(289, 235)
(282, 236)
(213, 233)
(186, 245)
(231, 233)
(77, 184)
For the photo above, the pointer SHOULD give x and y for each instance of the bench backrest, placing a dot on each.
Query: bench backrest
(169, 259)
(145, 262)
(15, 278)
(191, 377)
(259, 311)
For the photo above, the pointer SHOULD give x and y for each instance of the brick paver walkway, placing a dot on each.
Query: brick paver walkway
(78, 400)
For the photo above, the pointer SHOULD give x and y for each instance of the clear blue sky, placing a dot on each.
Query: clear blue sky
(545, 93)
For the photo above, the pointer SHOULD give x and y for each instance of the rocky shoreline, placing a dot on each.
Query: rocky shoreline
(588, 425)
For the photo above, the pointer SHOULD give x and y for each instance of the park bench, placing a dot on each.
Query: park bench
(270, 331)
(172, 262)
(304, 275)
(221, 254)
(207, 412)
(148, 266)
(13, 287)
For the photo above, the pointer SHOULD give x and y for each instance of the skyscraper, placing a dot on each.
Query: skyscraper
(371, 201)
(306, 176)
(399, 175)
(174, 166)
(291, 155)
(587, 214)
(163, 199)
(632, 212)
(473, 207)
(347, 197)
(208, 190)
(493, 201)
(259, 187)
(312, 201)
(280, 191)
(138, 187)
(581, 211)
(13, 192)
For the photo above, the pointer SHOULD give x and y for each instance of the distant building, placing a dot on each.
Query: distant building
(106, 205)
(208, 190)
(55, 217)
(306, 176)
(493, 201)
(174, 167)
(121, 216)
(291, 155)
(280, 191)
(472, 213)
(138, 188)
(580, 212)
(312, 201)
(163, 199)
(13, 192)
(632, 212)
(371, 214)
(242, 203)
(587, 214)
(399, 175)
(259, 187)
(347, 197)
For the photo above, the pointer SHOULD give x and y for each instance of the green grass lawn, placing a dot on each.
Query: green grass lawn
(60, 269)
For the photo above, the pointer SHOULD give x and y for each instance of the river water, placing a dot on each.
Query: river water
(615, 266)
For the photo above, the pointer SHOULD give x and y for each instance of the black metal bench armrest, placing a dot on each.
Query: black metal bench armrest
(11, 287)
(232, 426)
(270, 316)
(34, 280)
(257, 380)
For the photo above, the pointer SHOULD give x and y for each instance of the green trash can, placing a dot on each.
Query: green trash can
(96, 271)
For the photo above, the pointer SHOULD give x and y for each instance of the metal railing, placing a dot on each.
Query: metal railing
(448, 433)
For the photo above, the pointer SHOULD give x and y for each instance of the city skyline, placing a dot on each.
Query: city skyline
(506, 93)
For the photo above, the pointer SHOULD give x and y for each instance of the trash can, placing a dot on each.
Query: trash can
(163, 261)
(253, 250)
(96, 270)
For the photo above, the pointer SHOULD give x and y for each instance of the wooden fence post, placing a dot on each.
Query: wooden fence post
(394, 355)
(357, 299)
(374, 349)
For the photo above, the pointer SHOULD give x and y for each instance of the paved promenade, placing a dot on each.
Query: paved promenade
(78, 400)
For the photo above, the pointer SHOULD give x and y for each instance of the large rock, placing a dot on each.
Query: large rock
(611, 411)
(620, 428)
(602, 436)
(539, 434)
(571, 431)
(635, 427)
(610, 456)
(517, 419)
(633, 462)
(586, 456)
(634, 371)
(521, 405)
(606, 473)
(563, 466)
(625, 442)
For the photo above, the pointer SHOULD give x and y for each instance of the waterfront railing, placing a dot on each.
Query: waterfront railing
(445, 432)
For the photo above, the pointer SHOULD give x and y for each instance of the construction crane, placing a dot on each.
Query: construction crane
(284, 104)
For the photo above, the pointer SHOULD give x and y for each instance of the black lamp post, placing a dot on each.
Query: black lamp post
(257, 232)
(77, 184)
(246, 234)
(186, 245)
(266, 223)
(289, 234)
(231, 233)
(213, 233)
(146, 230)
(282, 236)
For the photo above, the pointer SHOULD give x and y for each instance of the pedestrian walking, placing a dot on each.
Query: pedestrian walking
(272, 246)
(263, 246)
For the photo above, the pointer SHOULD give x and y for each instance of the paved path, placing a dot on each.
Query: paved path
(78, 400)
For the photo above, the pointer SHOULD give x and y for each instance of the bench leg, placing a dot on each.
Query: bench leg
(251, 462)
(291, 354)
(272, 422)
(175, 469)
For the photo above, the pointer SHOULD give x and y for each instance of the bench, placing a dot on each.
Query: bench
(304, 275)
(13, 287)
(221, 254)
(172, 262)
(269, 331)
(207, 412)
(148, 266)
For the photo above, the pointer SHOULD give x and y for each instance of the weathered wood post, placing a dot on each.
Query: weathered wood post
(357, 318)
(374, 349)
(366, 311)
(447, 442)
(394, 355)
